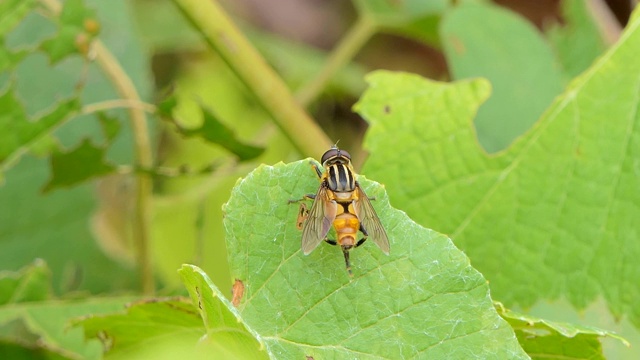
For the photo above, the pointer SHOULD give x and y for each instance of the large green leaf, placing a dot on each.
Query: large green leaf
(422, 301)
(543, 339)
(226, 332)
(155, 329)
(555, 214)
(31, 320)
(497, 44)
(577, 41)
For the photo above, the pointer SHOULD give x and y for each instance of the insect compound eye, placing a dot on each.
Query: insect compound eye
(331, 153)
(337, 155)
(344, 154)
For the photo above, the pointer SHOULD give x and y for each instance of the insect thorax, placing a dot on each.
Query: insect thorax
(340, 178)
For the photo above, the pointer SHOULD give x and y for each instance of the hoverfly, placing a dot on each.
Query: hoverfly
(341, 202)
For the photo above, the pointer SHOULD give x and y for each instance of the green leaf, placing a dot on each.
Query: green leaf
(399, 13)
(213, 131)
(32, 283)
(12, 12)
(76, 27)
(578, 41)
(146, 326)
(553, 216)
(84, 162)
(29, 318)
(543, 339)
(225, 328)
(110, 127)
(414, 18)
(491, 42)
(422, 301)
(19, 131)
(9, 59)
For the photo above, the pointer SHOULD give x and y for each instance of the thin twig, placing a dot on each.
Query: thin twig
(117, 104)
(348, 47)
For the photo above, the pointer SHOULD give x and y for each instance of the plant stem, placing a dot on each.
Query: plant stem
(142, 217)
(605, 20)
(350, 44)
(117, 104)
(125, 88)
(243, 59)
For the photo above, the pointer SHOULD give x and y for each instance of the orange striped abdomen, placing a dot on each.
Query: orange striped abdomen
(346, 225)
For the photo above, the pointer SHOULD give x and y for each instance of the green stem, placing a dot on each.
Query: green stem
(348, 47)
(270, 90)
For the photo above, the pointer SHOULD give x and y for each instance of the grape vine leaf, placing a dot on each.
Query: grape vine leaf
(543, 339)
(149, 328)
(553, 215)
(422, 301)
(224, 325)
(485, 40)
(34, 321)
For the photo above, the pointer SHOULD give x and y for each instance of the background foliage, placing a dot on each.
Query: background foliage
(124, 127)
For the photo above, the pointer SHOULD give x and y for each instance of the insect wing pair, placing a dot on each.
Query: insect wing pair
(322, 215)
(340, 202)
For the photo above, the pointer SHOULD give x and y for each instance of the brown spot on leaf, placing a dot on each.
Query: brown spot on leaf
(387, 109)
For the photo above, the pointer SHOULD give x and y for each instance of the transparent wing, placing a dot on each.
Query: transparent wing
(370, 221)
(321, 216)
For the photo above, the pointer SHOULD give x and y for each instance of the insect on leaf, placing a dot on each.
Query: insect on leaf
(424, 300)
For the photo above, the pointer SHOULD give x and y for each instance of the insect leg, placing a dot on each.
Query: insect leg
(316, 168)
(305, 197)
(346, 261)
(331, 242)
(363, 230)
(365, 235)
(361, 241)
